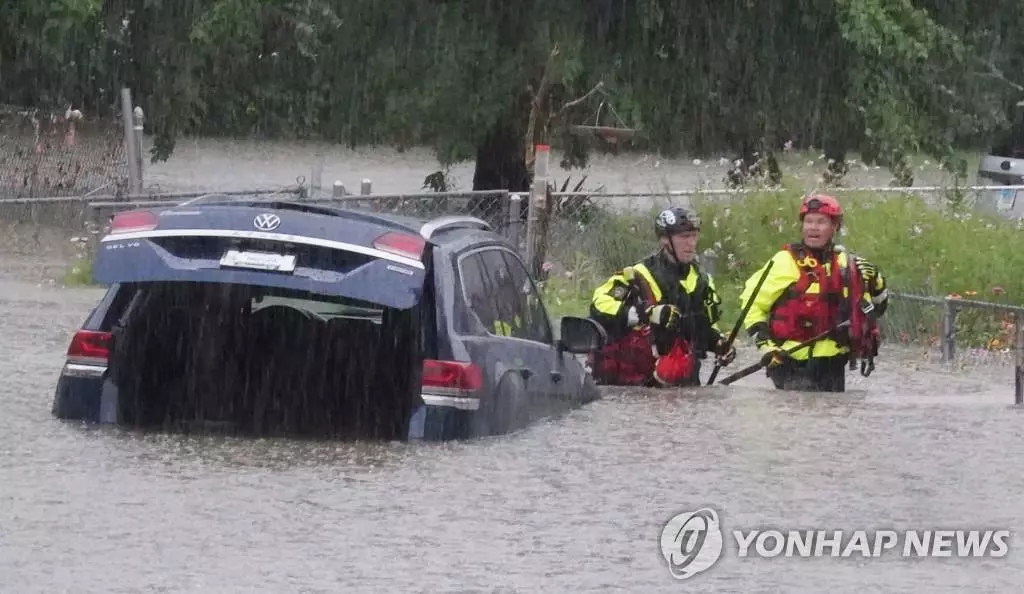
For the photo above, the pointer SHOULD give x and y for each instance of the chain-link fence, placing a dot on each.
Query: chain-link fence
(958, 330)
(52, 153)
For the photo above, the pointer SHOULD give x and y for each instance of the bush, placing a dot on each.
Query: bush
(920, 248)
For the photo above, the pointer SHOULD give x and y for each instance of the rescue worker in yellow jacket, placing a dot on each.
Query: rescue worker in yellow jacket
(661, 314)
(813, 287)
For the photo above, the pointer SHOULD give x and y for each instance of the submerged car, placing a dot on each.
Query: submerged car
(279, 317)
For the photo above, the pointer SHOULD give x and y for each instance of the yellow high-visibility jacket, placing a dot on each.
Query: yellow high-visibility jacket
(656, 280)
(785, 273)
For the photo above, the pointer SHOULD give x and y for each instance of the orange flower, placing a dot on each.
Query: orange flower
(970, 293)
(954, 296)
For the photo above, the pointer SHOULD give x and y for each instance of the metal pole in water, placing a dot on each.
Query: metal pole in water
(1018, 388)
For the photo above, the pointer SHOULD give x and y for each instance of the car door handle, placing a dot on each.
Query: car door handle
(556, 376)
(524, 373)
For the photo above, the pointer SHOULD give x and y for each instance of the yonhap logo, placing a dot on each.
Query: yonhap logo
(267, 221)
(691, 542)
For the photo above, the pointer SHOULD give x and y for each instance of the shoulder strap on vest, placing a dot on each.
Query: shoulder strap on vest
(646, 292)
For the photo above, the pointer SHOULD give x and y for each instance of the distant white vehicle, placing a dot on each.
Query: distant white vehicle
(1004, 165)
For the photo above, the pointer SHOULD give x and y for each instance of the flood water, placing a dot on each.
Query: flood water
(571, 504)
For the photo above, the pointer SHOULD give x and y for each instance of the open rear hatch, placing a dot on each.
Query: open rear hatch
(310, 330)
(317, 253)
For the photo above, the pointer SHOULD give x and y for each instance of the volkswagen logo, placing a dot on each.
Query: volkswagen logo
(267, 221)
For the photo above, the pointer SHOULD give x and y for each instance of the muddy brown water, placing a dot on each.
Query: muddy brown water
(572, 504)
(575, 503)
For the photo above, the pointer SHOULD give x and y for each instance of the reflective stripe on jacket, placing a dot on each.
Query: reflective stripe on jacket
(658, 281)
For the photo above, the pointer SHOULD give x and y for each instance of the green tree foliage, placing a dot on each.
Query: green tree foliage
(887, 77)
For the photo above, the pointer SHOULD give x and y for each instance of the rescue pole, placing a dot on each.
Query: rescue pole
(760, 364)
(739, 320)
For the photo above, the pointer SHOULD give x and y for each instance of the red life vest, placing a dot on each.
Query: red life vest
(631, 360)
(799, 315)
(676, 366)
(864, 335)
(628, 361)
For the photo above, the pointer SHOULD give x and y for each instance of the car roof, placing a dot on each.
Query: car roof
(435, 230)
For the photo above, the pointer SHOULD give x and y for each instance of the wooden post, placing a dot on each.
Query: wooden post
(948, 331)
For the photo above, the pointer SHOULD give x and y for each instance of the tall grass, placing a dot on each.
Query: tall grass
(921, 248)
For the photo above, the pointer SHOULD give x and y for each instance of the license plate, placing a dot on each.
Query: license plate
(259, 261)
(1007, 198)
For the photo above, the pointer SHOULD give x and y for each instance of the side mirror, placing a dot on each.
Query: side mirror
(581, 335)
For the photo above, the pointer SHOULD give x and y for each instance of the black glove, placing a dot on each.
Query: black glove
(725, 355)
(868, 271)
(772, 353)
(666, 316)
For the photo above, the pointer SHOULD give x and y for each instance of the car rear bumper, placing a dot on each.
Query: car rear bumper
(80, 394)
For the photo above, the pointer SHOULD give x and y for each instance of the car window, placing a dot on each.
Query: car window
(508, 310)
(478, 295)
(536, 325)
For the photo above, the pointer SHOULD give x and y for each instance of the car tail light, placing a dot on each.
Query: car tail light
(90, 346)
(451, 376)
(132, 221)
(402, 244)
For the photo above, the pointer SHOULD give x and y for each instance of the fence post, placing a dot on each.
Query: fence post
(515, 207)
(138, 118)
(948, 331)
(366, 188)
(339, 189)
(95, 230)
(134, 179)
(536, 222)
(316, 177)
(1018, 388)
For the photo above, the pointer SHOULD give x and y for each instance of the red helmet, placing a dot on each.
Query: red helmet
(826, 205)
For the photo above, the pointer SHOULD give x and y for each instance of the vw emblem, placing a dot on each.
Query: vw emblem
(267, 221)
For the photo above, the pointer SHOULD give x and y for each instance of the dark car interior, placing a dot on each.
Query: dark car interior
(265, 361)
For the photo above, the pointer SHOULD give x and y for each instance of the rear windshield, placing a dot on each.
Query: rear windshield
(226, 300)
(324, 308)
(218, 298)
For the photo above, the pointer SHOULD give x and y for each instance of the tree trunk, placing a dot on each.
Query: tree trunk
(500, 165)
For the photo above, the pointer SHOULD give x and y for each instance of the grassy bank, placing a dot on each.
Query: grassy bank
(79, 274)
(920, 249)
